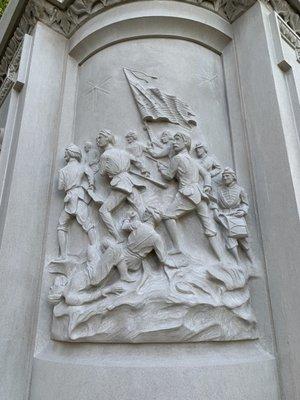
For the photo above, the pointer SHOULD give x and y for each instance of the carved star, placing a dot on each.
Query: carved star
(96, 88)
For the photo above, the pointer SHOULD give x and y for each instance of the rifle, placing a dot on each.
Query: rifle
(155, 160)
(150, 134)
(147, 178)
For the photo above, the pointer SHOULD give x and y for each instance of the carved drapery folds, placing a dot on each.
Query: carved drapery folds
(135, 279)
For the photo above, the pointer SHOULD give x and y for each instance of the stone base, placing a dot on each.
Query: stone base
(239, 371)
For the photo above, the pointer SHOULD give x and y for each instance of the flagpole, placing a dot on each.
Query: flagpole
(151, 135)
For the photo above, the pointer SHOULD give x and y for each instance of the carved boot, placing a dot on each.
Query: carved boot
(234, 252)
(173, 233)
(214, 245)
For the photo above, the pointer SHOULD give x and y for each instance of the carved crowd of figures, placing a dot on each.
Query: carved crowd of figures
(202, 187)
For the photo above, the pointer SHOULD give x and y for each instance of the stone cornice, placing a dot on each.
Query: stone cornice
(66, 16)
(287, 13)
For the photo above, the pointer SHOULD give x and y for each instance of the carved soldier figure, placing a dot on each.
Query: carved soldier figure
(230, 211)
(133, 146)
(191, 195)
(210, 163)
(142, 239)
(72, 180)
(137, 149)
(115, 163)
(166, 150)
(92, 156)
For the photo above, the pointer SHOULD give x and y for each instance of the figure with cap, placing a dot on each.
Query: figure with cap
(92, 156)
(230, 209)
(72, 179)
(125, 257)
(115, 163)
(209, 162)
(136, 148)
(166, 149)
(194, 187)
(133, 146)
(142, 240)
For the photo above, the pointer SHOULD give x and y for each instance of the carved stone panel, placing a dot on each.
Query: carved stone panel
(153, 238)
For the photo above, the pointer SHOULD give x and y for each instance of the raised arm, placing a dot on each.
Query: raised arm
(159, 153)
(244, 205)
(138, 164)
(159, 248)
(169, 172)
(61, 181)
(205, 176)
(216, 169)
(90, 176)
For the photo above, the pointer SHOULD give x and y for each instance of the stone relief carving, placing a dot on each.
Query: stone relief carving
(139, 281)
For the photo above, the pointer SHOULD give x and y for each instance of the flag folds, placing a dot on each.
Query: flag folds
(155, 105)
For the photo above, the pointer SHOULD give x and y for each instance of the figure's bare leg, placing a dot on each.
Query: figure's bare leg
(248, 255)
(136, 201)
(244, 243)
(123, 271)
(92, 236)
(62, 244)
(113, 201)
(215, 246)
(210, 232)
(62, 233)
(234, 252)
(173, 232)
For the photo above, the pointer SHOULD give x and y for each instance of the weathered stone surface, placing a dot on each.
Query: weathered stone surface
(150, 154)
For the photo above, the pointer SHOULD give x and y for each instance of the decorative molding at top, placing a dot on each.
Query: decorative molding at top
(287, 13)
(289, 36)
(26, 24)
(11, 74)
(66, 16)
(67, 20)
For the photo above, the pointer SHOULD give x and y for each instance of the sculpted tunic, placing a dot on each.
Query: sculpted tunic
(190, 194)
(71, 180)
(116, 163)
(231, 199)
(211, 165)
(141, 241)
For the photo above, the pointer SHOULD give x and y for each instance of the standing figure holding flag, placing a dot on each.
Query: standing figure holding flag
(191, 195)
(166, 149)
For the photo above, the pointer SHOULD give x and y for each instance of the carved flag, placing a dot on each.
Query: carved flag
(155, 105)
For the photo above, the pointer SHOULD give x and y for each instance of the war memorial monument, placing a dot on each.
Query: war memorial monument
(150, 199)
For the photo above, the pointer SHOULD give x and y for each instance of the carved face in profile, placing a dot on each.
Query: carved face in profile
(87, 146)
(179, 143)
(67, 156)
(102, 140)
(200, 151)
(228, 178)
(165, 137)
